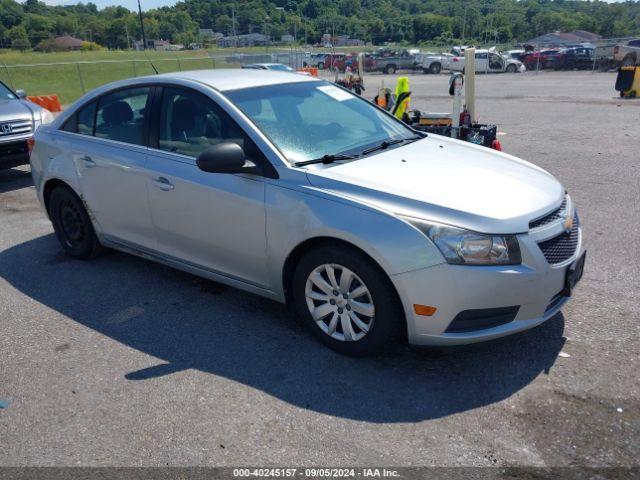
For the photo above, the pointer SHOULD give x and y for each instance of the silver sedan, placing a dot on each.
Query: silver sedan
(293, 188)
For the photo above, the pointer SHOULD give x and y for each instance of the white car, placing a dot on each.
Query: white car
(488, 61)
(293, 188)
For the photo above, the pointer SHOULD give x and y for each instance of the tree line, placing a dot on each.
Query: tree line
(29, 24)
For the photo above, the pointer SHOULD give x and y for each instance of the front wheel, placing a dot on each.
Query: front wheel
(511, 68)
(390, 70)
(435, 68)
(347, 301)
(72, 224)
(628, 62)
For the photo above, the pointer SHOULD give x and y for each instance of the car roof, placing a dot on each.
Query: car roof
(224, 79)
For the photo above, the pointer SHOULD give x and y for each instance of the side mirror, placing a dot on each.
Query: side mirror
(21, 93)
(226, 157)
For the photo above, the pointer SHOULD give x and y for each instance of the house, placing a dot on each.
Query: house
(61, 43)
(152, 45)
(248, 40)
(209, 35)
(340, 41)
(286, 38)
(559, 39)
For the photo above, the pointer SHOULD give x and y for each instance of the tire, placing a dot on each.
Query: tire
(378, 311)
(435, 68)
(390, 69)
(321, 66)
(511, 68)
(628, 61)
(72, 225)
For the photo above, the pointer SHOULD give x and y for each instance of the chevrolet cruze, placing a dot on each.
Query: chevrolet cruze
(292, 188)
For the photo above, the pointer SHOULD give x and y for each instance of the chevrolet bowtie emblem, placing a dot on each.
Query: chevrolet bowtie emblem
(568, 222)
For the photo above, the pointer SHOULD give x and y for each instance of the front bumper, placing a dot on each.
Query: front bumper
(533, 286)
(13, 153)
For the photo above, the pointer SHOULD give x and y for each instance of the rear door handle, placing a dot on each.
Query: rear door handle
(163, 184)
(88, 162)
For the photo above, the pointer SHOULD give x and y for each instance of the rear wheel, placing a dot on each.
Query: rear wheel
(321, 66)
(390, 69)
(347, 301)
(72, 224)
(628, 61)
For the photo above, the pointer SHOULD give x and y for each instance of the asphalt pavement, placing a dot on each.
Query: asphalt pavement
(120, 361)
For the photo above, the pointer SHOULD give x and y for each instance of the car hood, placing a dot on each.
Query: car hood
(16, 110)
(447, 181)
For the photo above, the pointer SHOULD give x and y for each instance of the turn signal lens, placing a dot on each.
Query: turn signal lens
(424, 310)
(30, 143)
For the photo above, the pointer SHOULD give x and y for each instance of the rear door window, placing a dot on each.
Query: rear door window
(82, 121)
(122, 115)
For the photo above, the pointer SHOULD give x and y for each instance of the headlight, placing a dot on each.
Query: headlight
(47, 117)
(464, 247)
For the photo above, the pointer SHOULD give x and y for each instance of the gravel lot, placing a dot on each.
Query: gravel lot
(120, 361)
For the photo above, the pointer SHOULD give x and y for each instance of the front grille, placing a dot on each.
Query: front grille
(15, 127)
(563, 247)
(550, 217)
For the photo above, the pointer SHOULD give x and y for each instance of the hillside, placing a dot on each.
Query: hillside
(25, 25)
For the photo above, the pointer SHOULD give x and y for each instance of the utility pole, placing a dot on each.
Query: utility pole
(126, 31)
(144, 38)
(464, 22)
(233, 28)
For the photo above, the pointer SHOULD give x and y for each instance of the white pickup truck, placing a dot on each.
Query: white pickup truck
(488, 61)
(433, 62)
(628, 55)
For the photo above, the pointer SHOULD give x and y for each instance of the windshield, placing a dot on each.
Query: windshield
(309, 120)
(5, 93)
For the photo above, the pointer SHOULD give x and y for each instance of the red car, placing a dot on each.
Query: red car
(538, 60)
(333, 61)
(369, 62)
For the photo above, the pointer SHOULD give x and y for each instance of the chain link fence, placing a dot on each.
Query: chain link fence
(70, 80)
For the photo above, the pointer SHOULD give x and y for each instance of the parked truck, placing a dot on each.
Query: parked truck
(628, 55)
(433, 62)
(389, 61)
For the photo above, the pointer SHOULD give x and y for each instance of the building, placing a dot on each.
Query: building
(65, 42)
(209, 35)
(152, 45)
(340, 41)
(248, 40)
(559, 39)
(286, 38)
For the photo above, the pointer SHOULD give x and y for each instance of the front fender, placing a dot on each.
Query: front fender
(297, 215)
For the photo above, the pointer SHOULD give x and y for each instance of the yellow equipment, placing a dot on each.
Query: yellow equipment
(628, 82)
(402, 97)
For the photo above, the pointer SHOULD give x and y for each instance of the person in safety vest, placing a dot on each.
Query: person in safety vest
(402, 98)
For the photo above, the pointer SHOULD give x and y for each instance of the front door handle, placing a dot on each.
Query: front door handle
(88, 161)
(163, 184)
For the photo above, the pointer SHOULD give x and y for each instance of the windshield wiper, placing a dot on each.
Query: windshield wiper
(329, 158)
(387, 143)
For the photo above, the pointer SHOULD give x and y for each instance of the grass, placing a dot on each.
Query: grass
(70, 78)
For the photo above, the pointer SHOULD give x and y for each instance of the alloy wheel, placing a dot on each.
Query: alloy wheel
(339, 302)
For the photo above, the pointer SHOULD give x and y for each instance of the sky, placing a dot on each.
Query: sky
(146, 4)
